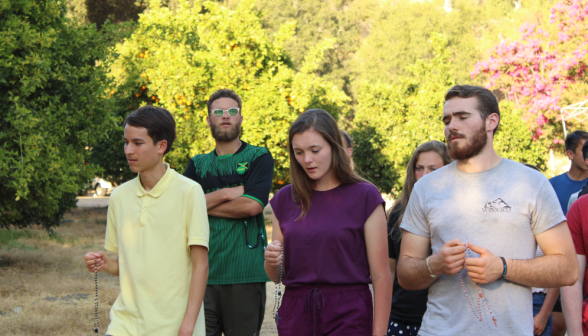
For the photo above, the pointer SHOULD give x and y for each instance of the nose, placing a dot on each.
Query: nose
(451, 127)
(427, 171)
(308, 157)
(129, 149)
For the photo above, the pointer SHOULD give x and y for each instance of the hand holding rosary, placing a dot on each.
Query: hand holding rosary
(96, 324)
(278, 286)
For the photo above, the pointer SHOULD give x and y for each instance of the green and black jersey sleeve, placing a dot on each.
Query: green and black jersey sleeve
(259, 182)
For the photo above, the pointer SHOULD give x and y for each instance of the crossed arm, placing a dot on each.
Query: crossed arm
(230, 203)
(558, 267)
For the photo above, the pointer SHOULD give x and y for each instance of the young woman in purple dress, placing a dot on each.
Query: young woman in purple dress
(329, 239)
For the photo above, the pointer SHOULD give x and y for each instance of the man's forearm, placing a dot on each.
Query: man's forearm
(216, 198)
(413, 273)
(240, 207)
(546, 271)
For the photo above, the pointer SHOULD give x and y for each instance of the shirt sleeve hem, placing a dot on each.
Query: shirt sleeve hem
(111, 248)
(200, 242)
(415, 231)
(557, 222)
(255, 199)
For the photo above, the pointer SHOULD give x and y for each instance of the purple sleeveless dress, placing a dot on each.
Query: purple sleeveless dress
(325, 261)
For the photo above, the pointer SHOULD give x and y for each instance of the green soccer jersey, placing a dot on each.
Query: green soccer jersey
(236, 245)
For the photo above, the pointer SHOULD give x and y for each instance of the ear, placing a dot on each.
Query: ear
(161, 147)
(570, 154)
(208, 119)
(492, 122)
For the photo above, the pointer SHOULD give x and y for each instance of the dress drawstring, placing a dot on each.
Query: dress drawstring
(316, 295)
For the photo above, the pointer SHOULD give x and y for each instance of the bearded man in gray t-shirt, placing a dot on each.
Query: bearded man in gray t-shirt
(482, 217)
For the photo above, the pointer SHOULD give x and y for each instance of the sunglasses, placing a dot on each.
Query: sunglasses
(219, 113)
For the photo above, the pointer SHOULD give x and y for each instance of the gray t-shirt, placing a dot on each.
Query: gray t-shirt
(573, 198)
(500, 209)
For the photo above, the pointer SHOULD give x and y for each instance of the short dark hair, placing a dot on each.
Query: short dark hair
(160, 124)
(223, 93)
(487, 102)
(573, 140)
(585, 150)
(347, 139)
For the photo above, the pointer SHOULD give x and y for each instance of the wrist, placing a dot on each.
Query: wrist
(502, 267)
(432, 265)
(542, 314)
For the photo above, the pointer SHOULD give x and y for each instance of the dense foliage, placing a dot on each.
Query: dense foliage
(177, 59)
(53, 110)
(380, 67)
(393, 120)
(347, 21)
(545, 69)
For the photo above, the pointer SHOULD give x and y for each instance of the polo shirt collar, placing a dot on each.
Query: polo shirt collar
(159, 187)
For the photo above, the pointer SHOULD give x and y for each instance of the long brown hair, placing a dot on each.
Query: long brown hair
(342, 168)
(401, 203)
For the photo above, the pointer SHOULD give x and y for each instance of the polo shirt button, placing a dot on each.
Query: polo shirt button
(143, 209)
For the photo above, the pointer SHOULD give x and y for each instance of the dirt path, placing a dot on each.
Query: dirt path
(45, 288)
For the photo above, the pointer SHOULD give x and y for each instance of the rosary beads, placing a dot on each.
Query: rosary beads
(480, 297)
(278, 289)
(259, 236)
(96, 325)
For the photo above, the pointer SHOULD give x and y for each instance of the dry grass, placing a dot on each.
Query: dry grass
(45, 288)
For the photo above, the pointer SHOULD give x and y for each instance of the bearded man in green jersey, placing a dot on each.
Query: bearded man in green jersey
(236, 178)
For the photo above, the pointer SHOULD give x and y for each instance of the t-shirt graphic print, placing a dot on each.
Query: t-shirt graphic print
(498, 205)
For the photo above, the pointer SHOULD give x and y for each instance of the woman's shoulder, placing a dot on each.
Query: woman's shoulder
(364, 187)
(285, 193)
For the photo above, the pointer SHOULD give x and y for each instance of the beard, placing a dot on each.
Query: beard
(472, 148)
(225, 136)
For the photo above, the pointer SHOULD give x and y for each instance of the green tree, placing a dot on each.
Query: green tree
(392, 120)
(347, 21)
(400, 36)
(54, 108)
(177, 59)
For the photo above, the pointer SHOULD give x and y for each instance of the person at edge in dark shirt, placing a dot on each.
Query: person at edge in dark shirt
(573, 180)
(565, 185)
(408, 307)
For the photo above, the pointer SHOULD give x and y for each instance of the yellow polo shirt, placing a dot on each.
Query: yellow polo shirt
(151, 232)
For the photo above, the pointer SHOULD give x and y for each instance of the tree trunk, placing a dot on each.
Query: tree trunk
(448, 6)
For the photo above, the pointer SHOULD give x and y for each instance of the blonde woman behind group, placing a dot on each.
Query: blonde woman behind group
(408, 307)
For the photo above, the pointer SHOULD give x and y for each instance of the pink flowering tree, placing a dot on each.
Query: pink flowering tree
(541, 72)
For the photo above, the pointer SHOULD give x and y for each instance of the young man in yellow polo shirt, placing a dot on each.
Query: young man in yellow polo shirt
(158, 226)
